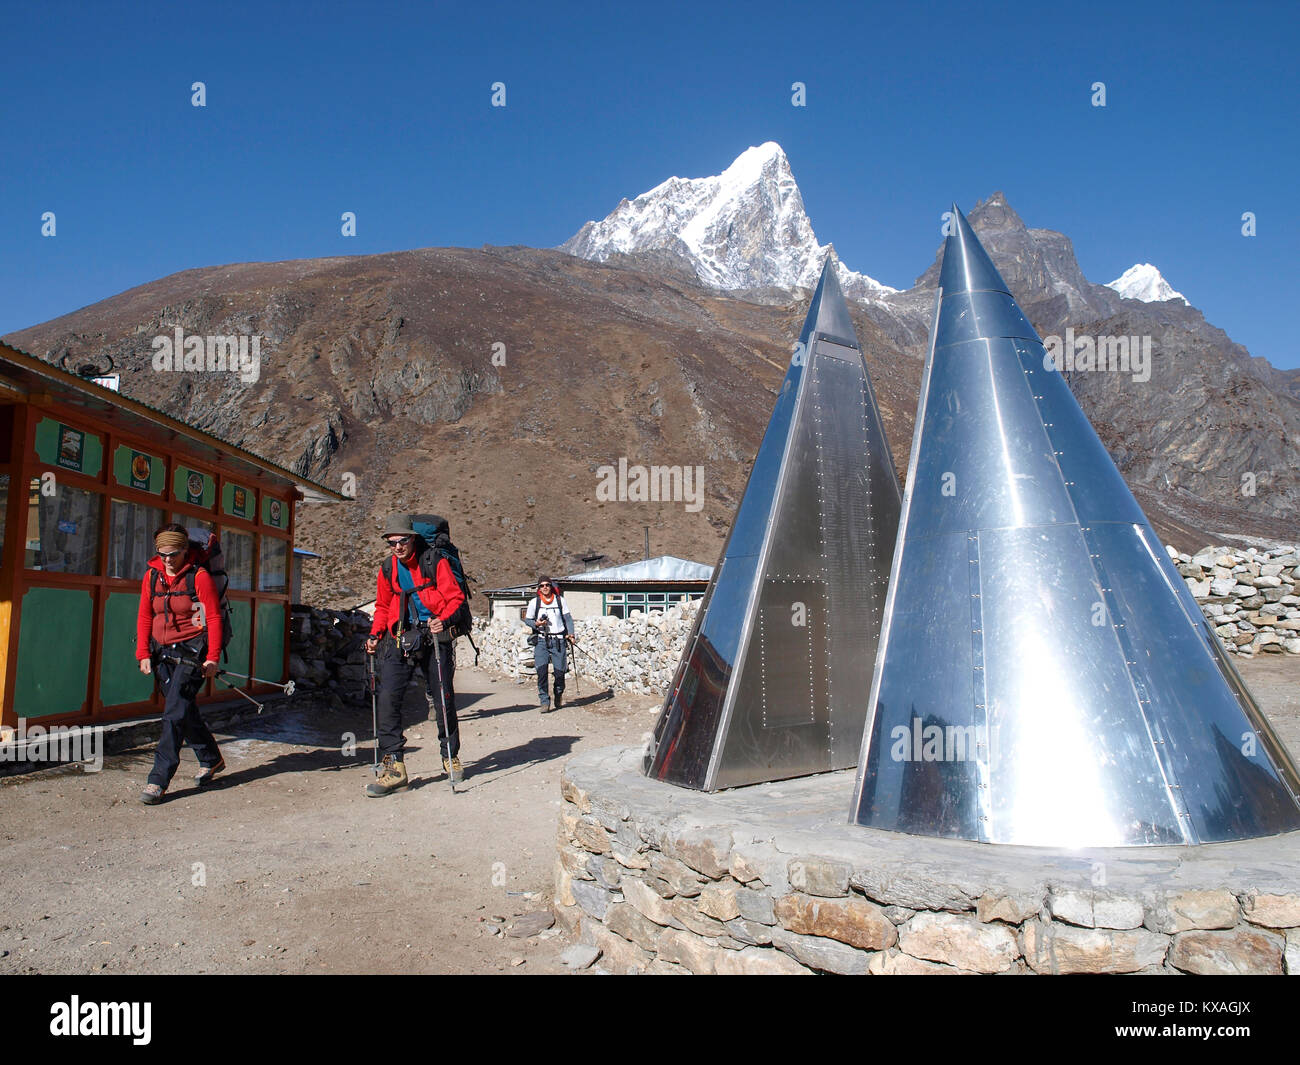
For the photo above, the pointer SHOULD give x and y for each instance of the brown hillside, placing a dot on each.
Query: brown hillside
(382, 366)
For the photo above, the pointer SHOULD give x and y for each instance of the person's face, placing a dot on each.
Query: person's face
(544, 588)
(172, 561)
(403, 547)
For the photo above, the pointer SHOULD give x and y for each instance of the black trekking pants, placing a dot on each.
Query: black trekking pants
(181, 722)
(395, 672)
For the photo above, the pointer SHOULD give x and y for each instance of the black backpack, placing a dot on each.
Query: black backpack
(432, 546)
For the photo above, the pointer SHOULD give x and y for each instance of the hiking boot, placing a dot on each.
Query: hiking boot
(559, 696)
(545, 705)
(452, 768)
(392, 775)
(207, 772)
(152, 794)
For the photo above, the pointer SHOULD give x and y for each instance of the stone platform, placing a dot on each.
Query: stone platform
(770, 879)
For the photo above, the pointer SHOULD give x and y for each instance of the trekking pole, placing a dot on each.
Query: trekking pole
(240, 691)
(374, 712)
(442, 706)
(287, 687)
(181, 661)
(577, 687)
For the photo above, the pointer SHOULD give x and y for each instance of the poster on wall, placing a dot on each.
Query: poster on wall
(275, 513)
(71, 448)
(241, 502)
(141, 469)
(194, 488)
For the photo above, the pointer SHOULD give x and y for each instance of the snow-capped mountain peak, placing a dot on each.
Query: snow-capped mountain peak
(744, 228)
(1144, 282)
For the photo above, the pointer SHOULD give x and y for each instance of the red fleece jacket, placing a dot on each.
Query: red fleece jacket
(443, 599)
(180, 620)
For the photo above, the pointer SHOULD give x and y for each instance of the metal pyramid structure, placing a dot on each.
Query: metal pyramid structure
(1044, 676)
(774, 678)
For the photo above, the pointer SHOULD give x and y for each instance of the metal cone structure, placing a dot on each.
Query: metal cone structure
(1044, 676)
(774, 678)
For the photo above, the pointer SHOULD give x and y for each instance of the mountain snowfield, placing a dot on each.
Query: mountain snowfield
(745, 228)
(1144, 282)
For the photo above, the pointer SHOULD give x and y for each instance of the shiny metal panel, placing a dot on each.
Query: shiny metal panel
(1073, 760)
(1231, 768)
(774, 680)
(966, 265)
(987, 461)
(975, 315)
(925, 695)
(685, 733)
(1044, 677)
(1096, 487)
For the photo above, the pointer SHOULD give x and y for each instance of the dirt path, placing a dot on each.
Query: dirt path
(287, 867)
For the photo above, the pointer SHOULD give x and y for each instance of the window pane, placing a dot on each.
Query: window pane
(63, 530)
(238, 548)
(656, 597)
(130, 538)
(615, 611)
(193, 522)
(275, 564)
(613, 597)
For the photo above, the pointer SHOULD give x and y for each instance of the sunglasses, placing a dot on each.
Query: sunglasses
(543, 585)
(401, 541)
(168, 554)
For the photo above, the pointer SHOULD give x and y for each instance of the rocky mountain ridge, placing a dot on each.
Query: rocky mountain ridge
(493, 384)
(744, 230)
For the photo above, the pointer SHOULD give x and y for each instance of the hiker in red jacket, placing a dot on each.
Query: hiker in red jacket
(182, 639)
(406, 644)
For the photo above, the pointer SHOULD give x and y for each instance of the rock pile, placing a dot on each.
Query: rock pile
(326, 652)
(1251, 597)
(637, 654)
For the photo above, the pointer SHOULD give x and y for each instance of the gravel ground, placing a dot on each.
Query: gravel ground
(285, 866)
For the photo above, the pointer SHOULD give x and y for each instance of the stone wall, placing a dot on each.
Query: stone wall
(326, 653)
(637, 654)
(770, 879)
(1252, 597)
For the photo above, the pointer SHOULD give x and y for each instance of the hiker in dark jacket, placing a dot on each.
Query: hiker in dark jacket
(172, 626)
(549, 618)
(407, 642)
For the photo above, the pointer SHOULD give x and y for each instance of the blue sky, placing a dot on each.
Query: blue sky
(384, 109)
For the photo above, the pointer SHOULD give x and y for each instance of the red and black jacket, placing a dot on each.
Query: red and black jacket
(173, 618)
(442, 598)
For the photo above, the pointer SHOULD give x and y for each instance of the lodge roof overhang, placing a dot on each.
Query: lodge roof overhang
(25, 378)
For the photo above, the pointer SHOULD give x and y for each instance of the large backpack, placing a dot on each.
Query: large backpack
(433, 545)
(211, 558)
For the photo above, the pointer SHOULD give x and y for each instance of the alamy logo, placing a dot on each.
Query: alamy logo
(943, 743)
(236, 353)
(55, 743)
(1088, 353)
(651, 484)
(103, 1018)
